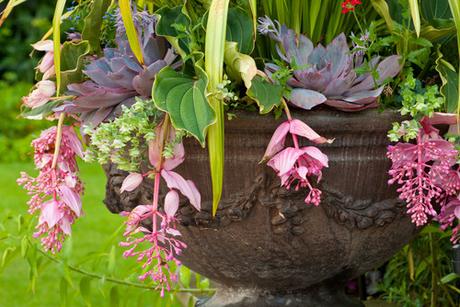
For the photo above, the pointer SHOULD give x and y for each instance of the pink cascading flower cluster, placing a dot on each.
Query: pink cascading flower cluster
(56, 191)
(162, 237)
(425, 173)
(295, 165)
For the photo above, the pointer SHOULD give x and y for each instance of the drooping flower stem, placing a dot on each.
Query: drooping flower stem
(289, 116)
(156, 192)
(58, 142)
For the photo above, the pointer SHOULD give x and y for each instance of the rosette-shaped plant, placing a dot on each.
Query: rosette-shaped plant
(328, 74)
(117, 78)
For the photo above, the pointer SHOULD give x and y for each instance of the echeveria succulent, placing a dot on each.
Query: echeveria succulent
(328, 74)
(117, 78)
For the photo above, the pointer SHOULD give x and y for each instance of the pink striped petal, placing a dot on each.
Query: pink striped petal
(284, 161)
(65, 225)
(74, 141)
(131, 182)
(186, 187)
(171, 203)
(300, 128)
(50, 213)
(316, 154)
(70, 198)
(277, 141)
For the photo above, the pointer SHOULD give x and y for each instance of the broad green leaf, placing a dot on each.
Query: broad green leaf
(114, 297)
(24, 246)
(415, 13)
(131, 33)
(60, 4)
(253, 7)
(455, 9)
(239, 66)
(435, 10)
(93, 22)
(449, 78)
(449, 278)
(240, 29)
(183, 97)
(64, 292)
(112, 260)
(41, 112)
(382, 8)
(174, 24)
(8, 254)
(214, 66)
(266, 94)
(185, 276)
(72, 62)
(433, 34)
(85, 289)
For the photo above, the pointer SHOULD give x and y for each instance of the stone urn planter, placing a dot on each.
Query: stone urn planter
(266, 247)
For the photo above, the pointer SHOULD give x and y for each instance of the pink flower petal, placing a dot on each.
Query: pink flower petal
(316, 154)
(70, 198)
(154, 153)
(457, 211)
(74, 141)
(171, 203)
(131, 182)
(284, 161)
(277, 141)
(46, 45)
(177, 159)
(186, 187)
(46, 66)
(173, 232)
(65, 225)
(50, 213)
(300, 128)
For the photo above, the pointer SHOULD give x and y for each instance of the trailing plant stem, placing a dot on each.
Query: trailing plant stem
(156, 192)
(288, 115)
(57, 145)
(116, 280)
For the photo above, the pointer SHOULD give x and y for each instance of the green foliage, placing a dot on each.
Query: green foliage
(421, 273)
(89, 271)
(124, 140)
(407, 130)
(93, 24)
(16, 133)
(184, 98)
(24, 26)
(265, 94)
(418, 100)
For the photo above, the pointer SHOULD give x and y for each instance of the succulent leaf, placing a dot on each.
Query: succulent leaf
(117, 77)
(328, 74)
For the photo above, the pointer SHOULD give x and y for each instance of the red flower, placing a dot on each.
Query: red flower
(349, 5)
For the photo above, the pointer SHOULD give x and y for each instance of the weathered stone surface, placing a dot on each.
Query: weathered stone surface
(266, 247)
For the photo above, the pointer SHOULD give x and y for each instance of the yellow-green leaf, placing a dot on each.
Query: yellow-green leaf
(382, 8)
(214, 62)
(60, 4)
(415, 13)
(239, 66)
(131, 33)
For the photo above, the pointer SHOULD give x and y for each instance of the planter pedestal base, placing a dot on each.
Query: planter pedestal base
(318, 296)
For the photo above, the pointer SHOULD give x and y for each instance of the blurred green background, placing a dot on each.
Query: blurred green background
(91, 270)
(27, 277)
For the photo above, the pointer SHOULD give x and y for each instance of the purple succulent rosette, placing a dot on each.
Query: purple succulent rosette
(116, 78)
(328, 74)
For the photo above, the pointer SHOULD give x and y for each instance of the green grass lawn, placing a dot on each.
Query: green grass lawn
(96, 233)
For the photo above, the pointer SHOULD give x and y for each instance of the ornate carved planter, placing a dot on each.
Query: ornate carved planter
(266, 247)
